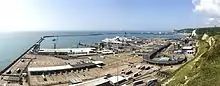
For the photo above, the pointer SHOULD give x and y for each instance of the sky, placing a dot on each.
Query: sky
(88, 15)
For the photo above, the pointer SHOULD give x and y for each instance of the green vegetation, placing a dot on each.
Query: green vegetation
(188, 30)
(200, 31)
(204, 70)
(211, 31)
(187, 70)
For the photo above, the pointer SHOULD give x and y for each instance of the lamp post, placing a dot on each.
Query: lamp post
(54, 45)
(117, 72)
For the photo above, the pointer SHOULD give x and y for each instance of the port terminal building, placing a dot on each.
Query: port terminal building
(63, 68)
(68, 51)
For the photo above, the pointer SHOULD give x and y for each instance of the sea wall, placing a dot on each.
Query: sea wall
(13, 62)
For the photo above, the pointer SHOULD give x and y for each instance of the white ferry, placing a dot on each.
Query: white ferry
(116, 40)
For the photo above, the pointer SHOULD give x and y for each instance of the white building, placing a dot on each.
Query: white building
(188, 49)
(95, 82)
(116, 79)
(105, 52)
(69, 51)
(52, 68)
(102, 81)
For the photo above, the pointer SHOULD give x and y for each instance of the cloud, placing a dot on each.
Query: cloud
(211, 19)
(210, 8)
(17, 15)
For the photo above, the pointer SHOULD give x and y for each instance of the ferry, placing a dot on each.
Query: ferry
(116, 40)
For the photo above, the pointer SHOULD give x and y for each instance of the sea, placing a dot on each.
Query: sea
(13, 44)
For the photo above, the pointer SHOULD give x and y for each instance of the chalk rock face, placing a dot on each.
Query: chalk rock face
(211, 41)
(205, 37)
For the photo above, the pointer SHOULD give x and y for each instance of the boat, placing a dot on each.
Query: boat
(116, 40)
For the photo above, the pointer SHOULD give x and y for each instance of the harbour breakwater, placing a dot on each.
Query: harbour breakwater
(13, 62)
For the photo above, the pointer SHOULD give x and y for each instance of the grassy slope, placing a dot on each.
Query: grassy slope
(204, 70)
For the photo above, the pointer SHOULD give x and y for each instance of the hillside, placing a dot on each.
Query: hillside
(208, 30)
(188, 30)
(204, 70)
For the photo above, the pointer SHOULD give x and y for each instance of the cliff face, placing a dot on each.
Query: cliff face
(204, 70)
(205, 37)
(211, 41)
(208, 39)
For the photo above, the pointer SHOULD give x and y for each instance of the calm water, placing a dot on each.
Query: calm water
(13, 44)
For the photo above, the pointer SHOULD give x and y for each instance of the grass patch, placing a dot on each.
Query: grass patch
(204, 70)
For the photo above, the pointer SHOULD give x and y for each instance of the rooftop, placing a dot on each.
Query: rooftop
(188, 47)
(116, 79)
(51, 68)
(67, 50)
(93, 82)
